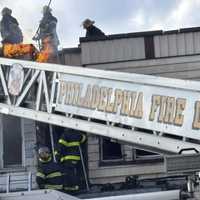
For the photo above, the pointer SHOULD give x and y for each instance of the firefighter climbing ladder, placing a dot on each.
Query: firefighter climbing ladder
(153, 113)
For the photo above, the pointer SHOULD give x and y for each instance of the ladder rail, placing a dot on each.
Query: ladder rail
(109, 125)
(145, 140)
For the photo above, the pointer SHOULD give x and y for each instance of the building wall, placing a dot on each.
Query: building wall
(182, 67)
(115, 173)
(177, 44)
(172, 54)
(186, 67)
(71, 56)
(140, 46)
(19, 175)
(112, 50)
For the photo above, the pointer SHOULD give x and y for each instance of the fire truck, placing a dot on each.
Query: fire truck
(153, 113)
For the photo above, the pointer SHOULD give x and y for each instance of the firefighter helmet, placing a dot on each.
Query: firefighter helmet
(46, 9)
(43, 150)
(87, 23)
(6, 10)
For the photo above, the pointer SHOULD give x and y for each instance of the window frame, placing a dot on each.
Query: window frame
(2, 164)
(119, 162)
(110, 160)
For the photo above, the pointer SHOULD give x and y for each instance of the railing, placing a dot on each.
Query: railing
(12, 182)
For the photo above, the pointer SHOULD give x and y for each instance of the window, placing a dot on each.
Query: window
(11, 136)
(141, 154)
(110, 150)
(113, 153)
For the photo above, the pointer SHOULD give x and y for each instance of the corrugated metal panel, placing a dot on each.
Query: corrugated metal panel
(181, 44)
(172, 44)
(112, 50)
(164, 46)
(189, 43)
(72, 59)
(177, 44)
(197, 42)
(157, 46)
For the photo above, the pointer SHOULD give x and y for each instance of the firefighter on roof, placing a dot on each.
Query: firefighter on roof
(92, 31)
(47, 36)
(69, 156)
(49, 175)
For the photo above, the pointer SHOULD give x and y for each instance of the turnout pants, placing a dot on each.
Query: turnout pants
(71, 179)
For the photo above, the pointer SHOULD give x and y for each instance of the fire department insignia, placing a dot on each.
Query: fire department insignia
(16, 79)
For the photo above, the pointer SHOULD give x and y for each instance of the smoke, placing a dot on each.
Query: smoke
(3, 3)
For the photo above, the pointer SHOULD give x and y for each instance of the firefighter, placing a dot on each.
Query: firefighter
(69, 156)
(9, 27)
(91, 30)
(47, 36)
(49, 175)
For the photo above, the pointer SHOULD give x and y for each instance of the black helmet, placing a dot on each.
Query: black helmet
(6, 10)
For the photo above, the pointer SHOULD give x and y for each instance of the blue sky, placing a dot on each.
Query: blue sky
(112, 16)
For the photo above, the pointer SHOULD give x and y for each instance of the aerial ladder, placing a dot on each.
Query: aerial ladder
(153, 113)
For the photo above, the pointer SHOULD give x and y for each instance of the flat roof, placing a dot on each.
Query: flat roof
(140, 34)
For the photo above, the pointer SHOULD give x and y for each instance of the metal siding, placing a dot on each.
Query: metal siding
(189, 43)
(104, 55)
(94, 52)
(164, 46)
(157, 46)
(172, 44)
(181, 44)
(177, 44)
(72, 59)
(128, 49)
(117, 50)
(85, 53)
(113, 50)
(139, 48)
(196, 42)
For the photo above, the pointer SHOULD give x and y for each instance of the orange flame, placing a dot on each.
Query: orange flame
(47, 51)
(17, 50)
